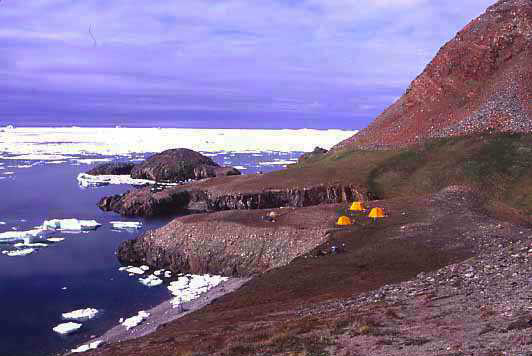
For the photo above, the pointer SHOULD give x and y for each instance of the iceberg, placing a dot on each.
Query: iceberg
(131, 225)
(22, 252)
(81, 314)
(71, 224)
(67, 328)
(25, 236)
(151, 281)
(135, 320)
(91, 346)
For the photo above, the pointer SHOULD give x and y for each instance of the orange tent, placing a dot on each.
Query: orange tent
(357, 206)
(376, 213)
(343, 220)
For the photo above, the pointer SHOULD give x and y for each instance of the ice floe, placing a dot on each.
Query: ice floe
(30, 244)
(26, 236)
(71, 224)
(55, 239)
(126, 225)
(189, 287)
(22, 252)
(135, 320)
(2, 223)
(92, 160)
(81, 314)
(132, 270)
(87, 180)
(46, 143)
(151, 281)
(240, 167)
(67, 328)
(90, 346)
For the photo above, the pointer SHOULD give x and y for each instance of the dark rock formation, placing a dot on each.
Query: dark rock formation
(232, 243)
(317, 152)
(206, 171)
(173, 166)
(479, 81)
(112, 168)
(144, 202)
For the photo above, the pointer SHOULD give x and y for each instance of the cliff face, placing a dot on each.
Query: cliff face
(232, 243)
(479, 81)
(144, 202)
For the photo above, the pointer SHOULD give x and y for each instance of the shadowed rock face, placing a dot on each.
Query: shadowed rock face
(173, 166)
(479, 81)
(112, 168)
(144, 202)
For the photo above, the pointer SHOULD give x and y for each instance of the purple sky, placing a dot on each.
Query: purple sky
(216, 63)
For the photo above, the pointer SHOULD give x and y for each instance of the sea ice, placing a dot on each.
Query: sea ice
(151, 281)
(126, 225)
(71, 224)
(135, 320)
(80, 314)
(2, 223)
(91, 346)
(190, 287)
(67, 328)
(87, 180)
(132, 270)
(45, 143)
(22, 252)
(30, 244)
(26, 236)
(55, 239)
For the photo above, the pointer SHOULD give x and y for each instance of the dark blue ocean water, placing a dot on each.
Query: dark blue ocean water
(31, 294)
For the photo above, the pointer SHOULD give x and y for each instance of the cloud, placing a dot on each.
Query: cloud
(282, 58)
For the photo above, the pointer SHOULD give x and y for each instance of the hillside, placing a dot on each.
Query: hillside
(479, 81)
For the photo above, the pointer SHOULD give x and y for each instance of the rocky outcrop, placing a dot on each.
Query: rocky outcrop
(206, 171)
(112, 168)
(231, 243)
(145, 202)
(174, 165)
(479, 81)
(316, 153)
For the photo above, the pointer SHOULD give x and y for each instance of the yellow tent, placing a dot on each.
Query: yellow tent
(376, 213)
(357, 206)
(343, 220)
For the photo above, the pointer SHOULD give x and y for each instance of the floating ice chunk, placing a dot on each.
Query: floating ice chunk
(67, 328)
(151, 281)
(87, 180)
(134, 270)
(71, 224)
(126, 225)
(30, 244)
(2, 223)
(55, 239)
(26, 236)
(87, 347)
(81, 314)
(92, 160)
(158, 272)
(22, 252)
(135, 320)
(168, 274)
(145, 268)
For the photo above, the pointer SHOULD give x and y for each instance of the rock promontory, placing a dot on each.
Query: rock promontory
(112, 168)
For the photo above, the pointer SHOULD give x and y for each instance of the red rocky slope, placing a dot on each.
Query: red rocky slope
(480, 80)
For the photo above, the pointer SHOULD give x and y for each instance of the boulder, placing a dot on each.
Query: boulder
(112, 168)
(173, 166)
